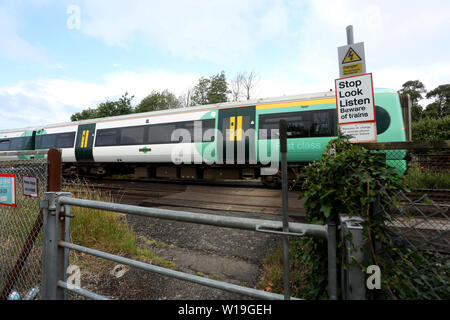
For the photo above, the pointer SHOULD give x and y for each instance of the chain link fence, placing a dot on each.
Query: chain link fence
(422, 168)
(418, 231)
(20, 230)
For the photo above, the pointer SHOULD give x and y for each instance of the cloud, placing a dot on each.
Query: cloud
(37, 102)
(19, 110)
(209, 30)
(401, 42)
(12, 45)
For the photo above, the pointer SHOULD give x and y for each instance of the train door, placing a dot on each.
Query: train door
(234, 124)
(85, 142)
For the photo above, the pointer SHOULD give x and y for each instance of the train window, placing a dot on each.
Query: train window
(383, 119)
(132, 135)
(46, 141)
(323, 123)
(4, 144)
(162, 133)
(55, 140)
(208, 125)
(65, 140)
(298, 124)
(303, 124)
(107, 137)
(17, 144)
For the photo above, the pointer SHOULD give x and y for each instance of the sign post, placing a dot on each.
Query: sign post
(355, 103)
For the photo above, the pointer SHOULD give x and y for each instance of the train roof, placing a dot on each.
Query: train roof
(309, 96)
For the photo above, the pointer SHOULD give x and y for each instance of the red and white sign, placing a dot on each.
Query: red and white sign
(355, 106)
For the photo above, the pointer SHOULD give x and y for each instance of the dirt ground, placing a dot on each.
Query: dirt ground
(223, 254)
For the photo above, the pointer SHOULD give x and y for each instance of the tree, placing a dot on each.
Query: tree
(415, 89)
(218, 89)
(200, 92)
(185, 98)
(158, 101)
(107, 109)
(237, 86)
(212, 90)
(441, 104)
(249, 82)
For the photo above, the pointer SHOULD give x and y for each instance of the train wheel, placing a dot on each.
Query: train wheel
(273, 182)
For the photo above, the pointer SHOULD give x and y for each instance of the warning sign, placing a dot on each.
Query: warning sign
(351, 56)
(354, 99)
(8, 189)
(351, 59)
(30, 186)
(356, 108)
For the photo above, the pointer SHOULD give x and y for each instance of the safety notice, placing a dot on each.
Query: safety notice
(8, 189)
(30, 186)
(354, 99)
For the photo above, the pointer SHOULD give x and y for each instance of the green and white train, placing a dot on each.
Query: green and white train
(145, 143)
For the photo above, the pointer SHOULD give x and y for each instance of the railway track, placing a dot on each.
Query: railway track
(238, 196)
(229, 196)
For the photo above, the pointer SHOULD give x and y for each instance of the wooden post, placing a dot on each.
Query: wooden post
(406, 104)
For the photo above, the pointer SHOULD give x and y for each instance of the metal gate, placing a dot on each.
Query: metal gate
(56, 208)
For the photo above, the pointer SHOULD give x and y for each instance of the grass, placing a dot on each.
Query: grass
(107, 231)
(427, 179)
(273, 276)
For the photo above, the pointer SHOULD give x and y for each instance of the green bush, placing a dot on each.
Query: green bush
(427, 179)
(346, 181)
(428, 129)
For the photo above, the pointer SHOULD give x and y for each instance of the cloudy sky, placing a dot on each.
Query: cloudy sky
(58, 57)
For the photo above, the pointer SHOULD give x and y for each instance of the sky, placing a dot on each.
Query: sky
(59, 57)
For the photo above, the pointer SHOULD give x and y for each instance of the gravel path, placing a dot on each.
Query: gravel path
(223, 254)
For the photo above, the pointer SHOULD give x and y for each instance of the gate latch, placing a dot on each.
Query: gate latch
(266, 229)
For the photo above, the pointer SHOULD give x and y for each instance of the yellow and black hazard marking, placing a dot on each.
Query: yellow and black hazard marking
(351, 56)
(84, 139)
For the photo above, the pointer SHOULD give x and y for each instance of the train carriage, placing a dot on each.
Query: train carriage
(204, 141)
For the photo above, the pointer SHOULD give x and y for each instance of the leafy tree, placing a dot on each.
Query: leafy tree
(84, 114)
(441, 104)
(415, 89)
(107, 109)
(218, 89)
(158, 101)
(200, 92)
(212, 90)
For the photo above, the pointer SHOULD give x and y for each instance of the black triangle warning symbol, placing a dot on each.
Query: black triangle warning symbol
(351, 56)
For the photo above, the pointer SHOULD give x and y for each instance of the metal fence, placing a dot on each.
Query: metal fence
(419, 234)
(20, 225)
(57, 244)
(425, 165)
(417, 245)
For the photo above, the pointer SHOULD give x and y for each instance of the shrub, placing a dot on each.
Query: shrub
(428, 129)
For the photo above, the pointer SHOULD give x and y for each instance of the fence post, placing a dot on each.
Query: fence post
(284, 196)
(353, 278)
(332, 269)
(54, 257)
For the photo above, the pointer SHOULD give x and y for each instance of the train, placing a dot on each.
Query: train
(207, 141)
